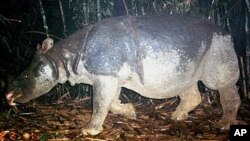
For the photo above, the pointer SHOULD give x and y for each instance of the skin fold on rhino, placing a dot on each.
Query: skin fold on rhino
(157, 56)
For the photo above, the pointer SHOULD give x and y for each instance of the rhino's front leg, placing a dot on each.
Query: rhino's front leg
(104, 90)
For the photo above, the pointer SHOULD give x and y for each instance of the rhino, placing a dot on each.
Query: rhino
(158, 56)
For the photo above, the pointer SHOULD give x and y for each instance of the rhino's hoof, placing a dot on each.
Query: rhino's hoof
(225, 124)
(179, 116)
(131, 112)
(126, 110)
(92, 131)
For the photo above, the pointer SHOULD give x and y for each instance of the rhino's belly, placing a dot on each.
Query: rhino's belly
(164, 75)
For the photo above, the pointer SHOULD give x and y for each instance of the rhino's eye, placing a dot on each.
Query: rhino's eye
(25, 75)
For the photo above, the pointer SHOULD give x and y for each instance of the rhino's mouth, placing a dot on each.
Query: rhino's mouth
(11, 97)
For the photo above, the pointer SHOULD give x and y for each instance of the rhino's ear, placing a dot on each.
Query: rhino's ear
(48, 43)
(38, 48)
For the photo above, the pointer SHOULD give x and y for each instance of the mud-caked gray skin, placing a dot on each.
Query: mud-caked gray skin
(157, 56)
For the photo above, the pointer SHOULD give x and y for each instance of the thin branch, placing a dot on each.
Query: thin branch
(143, 10)
(248, 5)
(84, 5)
(42, 33)
(98, 10)
(88, 12)
(154, 6)
(8, 19)
(33, 26)
(125, 5)
(45, 25)
(63, 18)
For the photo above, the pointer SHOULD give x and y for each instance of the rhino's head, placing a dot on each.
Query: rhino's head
(35, 81)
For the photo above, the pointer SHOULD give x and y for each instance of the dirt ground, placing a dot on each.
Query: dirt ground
(62, 121)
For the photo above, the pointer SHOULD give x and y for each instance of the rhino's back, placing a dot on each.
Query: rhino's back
(184, 34)
(179, 39)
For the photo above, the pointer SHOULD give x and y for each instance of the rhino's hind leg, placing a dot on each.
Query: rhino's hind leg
(230, 102)
(126, 110)
(188, 101)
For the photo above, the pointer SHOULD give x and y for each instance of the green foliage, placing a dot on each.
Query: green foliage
(43, 17)
(16, 44)
(6, 114)
(4, 38)
(142, 7)
(44, 137)
(85, 12)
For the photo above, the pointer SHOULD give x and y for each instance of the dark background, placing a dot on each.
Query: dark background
(25, 23)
